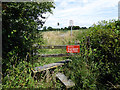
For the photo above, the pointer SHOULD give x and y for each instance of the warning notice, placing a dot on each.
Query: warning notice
(73, 49)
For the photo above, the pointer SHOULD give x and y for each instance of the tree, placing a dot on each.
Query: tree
(50, 28)
(19, 29)
(69, 28)
(45, 28)
(76, 27)
(65, 28)
(84, 27)
(62, 29)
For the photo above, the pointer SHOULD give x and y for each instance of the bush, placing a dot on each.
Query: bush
(19, 33)
(98, 66)
(105, 42)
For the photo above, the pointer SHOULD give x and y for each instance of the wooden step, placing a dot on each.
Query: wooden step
(57, 55)
(67, 82)
(50, 66)
(50, 46)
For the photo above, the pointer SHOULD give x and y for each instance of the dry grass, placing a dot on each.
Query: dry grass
(58, 37)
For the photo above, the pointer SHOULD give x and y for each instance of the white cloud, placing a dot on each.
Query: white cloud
(82, 12)
(85, 1)
(63, 4)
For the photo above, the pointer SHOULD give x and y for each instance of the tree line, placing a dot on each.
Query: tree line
(65, 28)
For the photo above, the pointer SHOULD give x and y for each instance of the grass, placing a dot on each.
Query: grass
(57, 38)
(62, 37)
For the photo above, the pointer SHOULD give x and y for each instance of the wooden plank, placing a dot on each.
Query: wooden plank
(53, 47)
(50, 46)
(67, 82)
(57, 55)
(50, 66)
(64, 61)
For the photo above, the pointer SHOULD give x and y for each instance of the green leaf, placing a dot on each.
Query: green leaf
(8, 35)
(116, 40)
(14, 30)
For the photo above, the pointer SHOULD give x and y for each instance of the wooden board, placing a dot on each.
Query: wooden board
(58, 55)
(50, 66)
(53, 47)
(50, 46)
(67, 82)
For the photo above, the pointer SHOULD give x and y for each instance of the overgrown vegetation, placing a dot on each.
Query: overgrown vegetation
(98, 66)
(19, 31)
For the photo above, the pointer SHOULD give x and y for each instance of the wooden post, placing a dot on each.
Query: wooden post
(119, 10)
(53, 79)
(71, 24)
(47, 76)
(71, 31)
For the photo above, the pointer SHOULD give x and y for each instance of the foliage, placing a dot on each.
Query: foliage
(105, 41)
(98, 65)
(44, 28)
(19, 76)
(76, 27)
(19, 24)
(49, 28)
(62, 29)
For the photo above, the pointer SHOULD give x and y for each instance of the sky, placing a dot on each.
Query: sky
(84, 13)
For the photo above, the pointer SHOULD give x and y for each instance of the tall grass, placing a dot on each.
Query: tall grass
(60, 37)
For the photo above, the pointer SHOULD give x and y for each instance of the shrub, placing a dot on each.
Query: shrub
(19, 31)
(105, 42)
(98, 66)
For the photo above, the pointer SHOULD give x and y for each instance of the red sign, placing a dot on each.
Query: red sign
(73, 49)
